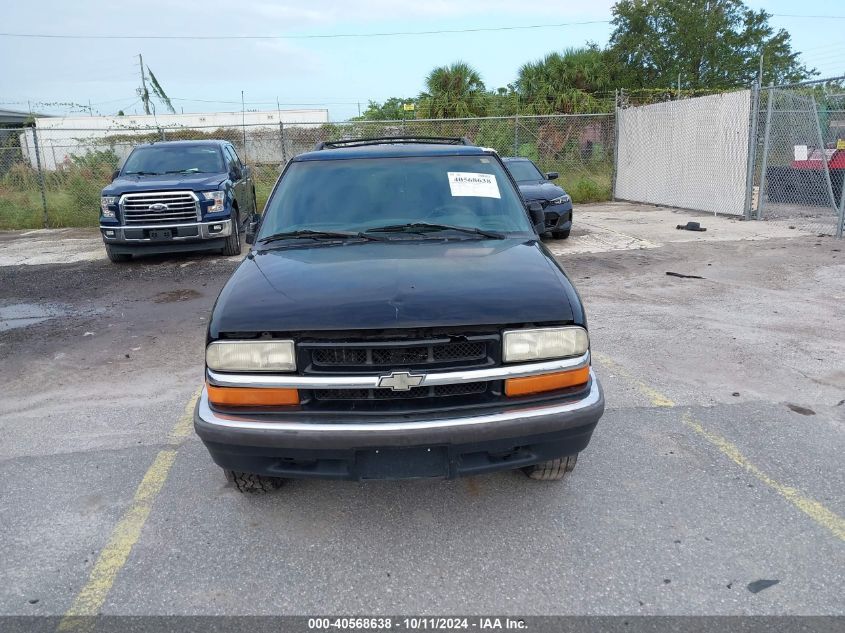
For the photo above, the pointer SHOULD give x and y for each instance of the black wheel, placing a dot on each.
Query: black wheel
(552, 470)
(560, 235)
(233, 242)
(251, 483)
(117, 258)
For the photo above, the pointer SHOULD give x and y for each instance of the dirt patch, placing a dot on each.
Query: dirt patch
(172, 296)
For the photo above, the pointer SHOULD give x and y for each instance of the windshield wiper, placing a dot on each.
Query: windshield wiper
(142, 173)
(426, 227)
(190, 170)
(317, 235)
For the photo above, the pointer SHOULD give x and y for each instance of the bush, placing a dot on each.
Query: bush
(586, 189)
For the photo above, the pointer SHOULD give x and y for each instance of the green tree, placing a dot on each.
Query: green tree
(391, 109)
(565, 82)
(453, 91)
(710, 43)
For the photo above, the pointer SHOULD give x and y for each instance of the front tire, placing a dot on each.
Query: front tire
(250, 483)
(551, 470)
(560, 235)
(117, 258)
(233, 241)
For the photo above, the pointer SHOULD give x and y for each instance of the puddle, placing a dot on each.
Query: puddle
(20, 315)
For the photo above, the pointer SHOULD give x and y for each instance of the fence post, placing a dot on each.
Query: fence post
(762, 200)
(839, 224)
(752, 149)
(282, 139)
(516, 134)
(616, 111)
(823, 154)
(40, 175)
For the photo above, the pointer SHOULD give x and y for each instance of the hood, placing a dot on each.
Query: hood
(378, 285)
(540, 190)
(165, 182)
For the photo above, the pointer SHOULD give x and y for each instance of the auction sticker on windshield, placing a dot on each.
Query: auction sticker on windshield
(466, 183)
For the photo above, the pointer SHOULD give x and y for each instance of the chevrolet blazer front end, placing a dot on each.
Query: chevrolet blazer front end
(397, 317)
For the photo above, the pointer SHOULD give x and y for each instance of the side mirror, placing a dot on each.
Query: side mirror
(252, 228)
(538, 216)
(552, 175)
(115, 174)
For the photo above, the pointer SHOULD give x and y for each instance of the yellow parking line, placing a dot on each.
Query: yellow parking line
(657, 399)
(812, 508)
(90, 599)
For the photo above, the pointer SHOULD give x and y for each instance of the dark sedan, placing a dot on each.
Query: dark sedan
(535, 185)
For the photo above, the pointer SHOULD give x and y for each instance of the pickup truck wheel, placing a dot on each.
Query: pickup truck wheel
(552, 470)
(251, 483)
(233, 242)
(117, 258)
(560, 235)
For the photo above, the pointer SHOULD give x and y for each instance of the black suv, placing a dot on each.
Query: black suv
(536, 186)
(397, 317)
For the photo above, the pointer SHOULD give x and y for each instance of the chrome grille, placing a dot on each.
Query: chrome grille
(179, 207)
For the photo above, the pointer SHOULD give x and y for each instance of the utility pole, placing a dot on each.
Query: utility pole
(145, 95)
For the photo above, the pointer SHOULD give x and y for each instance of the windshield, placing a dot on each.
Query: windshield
(174, 159)
(523, 170)
(361, 194)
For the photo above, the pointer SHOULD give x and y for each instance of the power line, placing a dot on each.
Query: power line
(299, 36)
(812, 17)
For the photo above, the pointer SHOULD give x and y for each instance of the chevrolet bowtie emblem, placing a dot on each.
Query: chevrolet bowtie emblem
(401, 381)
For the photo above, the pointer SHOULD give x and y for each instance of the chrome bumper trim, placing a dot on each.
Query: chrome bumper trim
(529, 413)
(370, 381)
(203, 232)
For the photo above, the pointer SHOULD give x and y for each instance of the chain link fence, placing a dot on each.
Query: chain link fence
(776, 154)
(799, 156)
(53, 177)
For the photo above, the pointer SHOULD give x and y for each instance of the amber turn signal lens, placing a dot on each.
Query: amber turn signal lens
(546, 382)
(251, 397)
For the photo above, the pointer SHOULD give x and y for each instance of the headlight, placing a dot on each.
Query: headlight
(555, 342)
(250, 356)
(219, 200)
(105, 201)
(562, 200)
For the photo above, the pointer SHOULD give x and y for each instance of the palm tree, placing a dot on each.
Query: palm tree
(564, 82)
(453, 91)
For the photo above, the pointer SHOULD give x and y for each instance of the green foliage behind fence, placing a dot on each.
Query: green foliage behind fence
(580, 148)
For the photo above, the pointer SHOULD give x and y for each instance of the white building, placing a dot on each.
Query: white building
(61, 138)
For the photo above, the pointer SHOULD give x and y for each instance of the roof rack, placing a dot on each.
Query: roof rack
(387, 140)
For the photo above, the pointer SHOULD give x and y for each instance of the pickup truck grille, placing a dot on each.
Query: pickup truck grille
(400, 355)
(159, 208)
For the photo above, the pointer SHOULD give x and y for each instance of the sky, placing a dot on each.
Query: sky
(334, 73)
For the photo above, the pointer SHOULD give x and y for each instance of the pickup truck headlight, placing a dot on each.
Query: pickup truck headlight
(105, 201)
(218, 199)
(266, 355)
(543, 343)
(562, 200)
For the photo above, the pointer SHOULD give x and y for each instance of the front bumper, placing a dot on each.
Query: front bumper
(559, 217)
(184, 236)
(406, 446)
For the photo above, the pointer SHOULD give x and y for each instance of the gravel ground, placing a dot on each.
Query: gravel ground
(718, 463)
